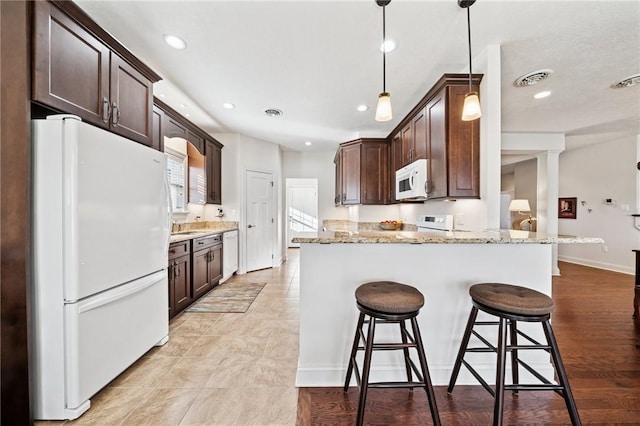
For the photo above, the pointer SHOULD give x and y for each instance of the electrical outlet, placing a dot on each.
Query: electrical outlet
(605, 249)
(459, 219)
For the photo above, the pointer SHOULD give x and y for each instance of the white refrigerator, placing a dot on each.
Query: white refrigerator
(101, 231)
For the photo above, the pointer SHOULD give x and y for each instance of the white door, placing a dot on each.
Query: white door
(260, 220)
(302, 208)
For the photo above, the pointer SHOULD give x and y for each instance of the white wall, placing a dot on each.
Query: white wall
(242, 153)
(318, 165)
(592, 174)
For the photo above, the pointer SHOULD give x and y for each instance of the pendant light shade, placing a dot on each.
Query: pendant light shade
(471, 110)
(383, 111)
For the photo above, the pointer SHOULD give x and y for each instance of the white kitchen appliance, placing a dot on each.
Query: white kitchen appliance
(412, 181)
(230, 254)
(101, 232)
(435, 222)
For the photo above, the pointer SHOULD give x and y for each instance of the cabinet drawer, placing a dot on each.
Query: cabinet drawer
(179, 249)
(204, 242)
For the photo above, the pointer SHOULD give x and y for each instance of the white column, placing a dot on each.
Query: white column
(547, 198)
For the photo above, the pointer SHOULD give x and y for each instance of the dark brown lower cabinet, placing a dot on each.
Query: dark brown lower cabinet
(206, 264)
(179, 271)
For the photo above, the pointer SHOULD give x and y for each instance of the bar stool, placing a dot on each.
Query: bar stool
(389, 302)
(511, 303)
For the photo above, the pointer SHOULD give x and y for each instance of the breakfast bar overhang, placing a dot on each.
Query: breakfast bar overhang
(442, 266)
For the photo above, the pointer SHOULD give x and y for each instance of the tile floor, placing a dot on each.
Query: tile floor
(216, 369)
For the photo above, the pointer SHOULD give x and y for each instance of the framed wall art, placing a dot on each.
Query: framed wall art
(567, 208)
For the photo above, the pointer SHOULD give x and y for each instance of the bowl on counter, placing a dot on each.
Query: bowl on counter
(391, 225)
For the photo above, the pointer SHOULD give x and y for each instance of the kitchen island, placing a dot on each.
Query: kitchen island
(442, 265)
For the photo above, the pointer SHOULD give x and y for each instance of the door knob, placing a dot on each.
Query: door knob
(250, 226)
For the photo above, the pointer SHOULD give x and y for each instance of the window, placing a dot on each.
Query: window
(176, 175)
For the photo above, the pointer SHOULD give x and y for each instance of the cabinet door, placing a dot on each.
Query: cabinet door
(436, 143)
(200, 273)
(351, 174)
(214, 173)
(407, 144)
(157, 137)
(419, 126)
(171, 280)
(71, 67)
(463, 147)
(196, 141)
(173, 128)
(215, 265)
(131, 102)
(181, 284)
(374, 172)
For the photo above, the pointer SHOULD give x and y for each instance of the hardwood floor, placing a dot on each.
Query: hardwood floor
(597, 338)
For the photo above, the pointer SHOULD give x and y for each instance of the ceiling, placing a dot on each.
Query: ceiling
(317, 60)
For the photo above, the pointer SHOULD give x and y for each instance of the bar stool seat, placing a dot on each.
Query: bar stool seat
(511, 304)
(382, 302)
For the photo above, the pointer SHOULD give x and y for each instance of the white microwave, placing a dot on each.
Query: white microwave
(412, 181)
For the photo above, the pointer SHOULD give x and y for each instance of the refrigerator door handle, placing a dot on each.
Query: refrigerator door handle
(120, 293)
(169, 212)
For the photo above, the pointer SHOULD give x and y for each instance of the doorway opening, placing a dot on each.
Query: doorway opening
(302, 208)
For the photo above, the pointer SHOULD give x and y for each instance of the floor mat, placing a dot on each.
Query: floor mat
(228, 297)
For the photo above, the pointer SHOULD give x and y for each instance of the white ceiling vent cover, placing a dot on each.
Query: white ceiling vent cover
(632, 80)
(273, 112)
(532, 78)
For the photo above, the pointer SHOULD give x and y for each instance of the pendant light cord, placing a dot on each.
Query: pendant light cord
(384, 52)
(469, 40)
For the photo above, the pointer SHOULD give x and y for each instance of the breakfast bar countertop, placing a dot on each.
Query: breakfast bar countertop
(491, 236)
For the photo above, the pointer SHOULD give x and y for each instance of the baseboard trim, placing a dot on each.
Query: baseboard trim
(600, 265)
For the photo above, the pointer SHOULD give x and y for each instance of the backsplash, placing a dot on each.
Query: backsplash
(349, 225)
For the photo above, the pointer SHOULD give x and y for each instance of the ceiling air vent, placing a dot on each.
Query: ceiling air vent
(627, 82)
(532, 78)
(273, 112)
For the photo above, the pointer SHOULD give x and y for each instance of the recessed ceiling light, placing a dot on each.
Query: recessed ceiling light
(162, 95)
(187, 115)
(182, 106)
(542, 94)
(307, 143)
(174, 41)
(273, 112)
(388, 45)
(362, 108)
(228, 105)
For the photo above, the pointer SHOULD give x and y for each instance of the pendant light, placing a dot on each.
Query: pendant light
(383, 111)
(471, 110)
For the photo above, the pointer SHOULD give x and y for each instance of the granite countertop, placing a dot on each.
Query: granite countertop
(492, 236)
(192, 231)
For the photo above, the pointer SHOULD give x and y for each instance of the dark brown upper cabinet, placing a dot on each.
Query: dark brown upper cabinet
(78, 68)
(434, 130)
(213, 172)
(204, 152)
(362, 172)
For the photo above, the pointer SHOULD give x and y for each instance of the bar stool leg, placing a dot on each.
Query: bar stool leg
(463, 347)
(502, 349)
(368, 349)
(403, 333)
(513, 339)
(431, 396)
(354, 350)
(562, 374)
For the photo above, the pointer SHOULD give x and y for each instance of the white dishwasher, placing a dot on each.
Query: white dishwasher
(229, 254)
